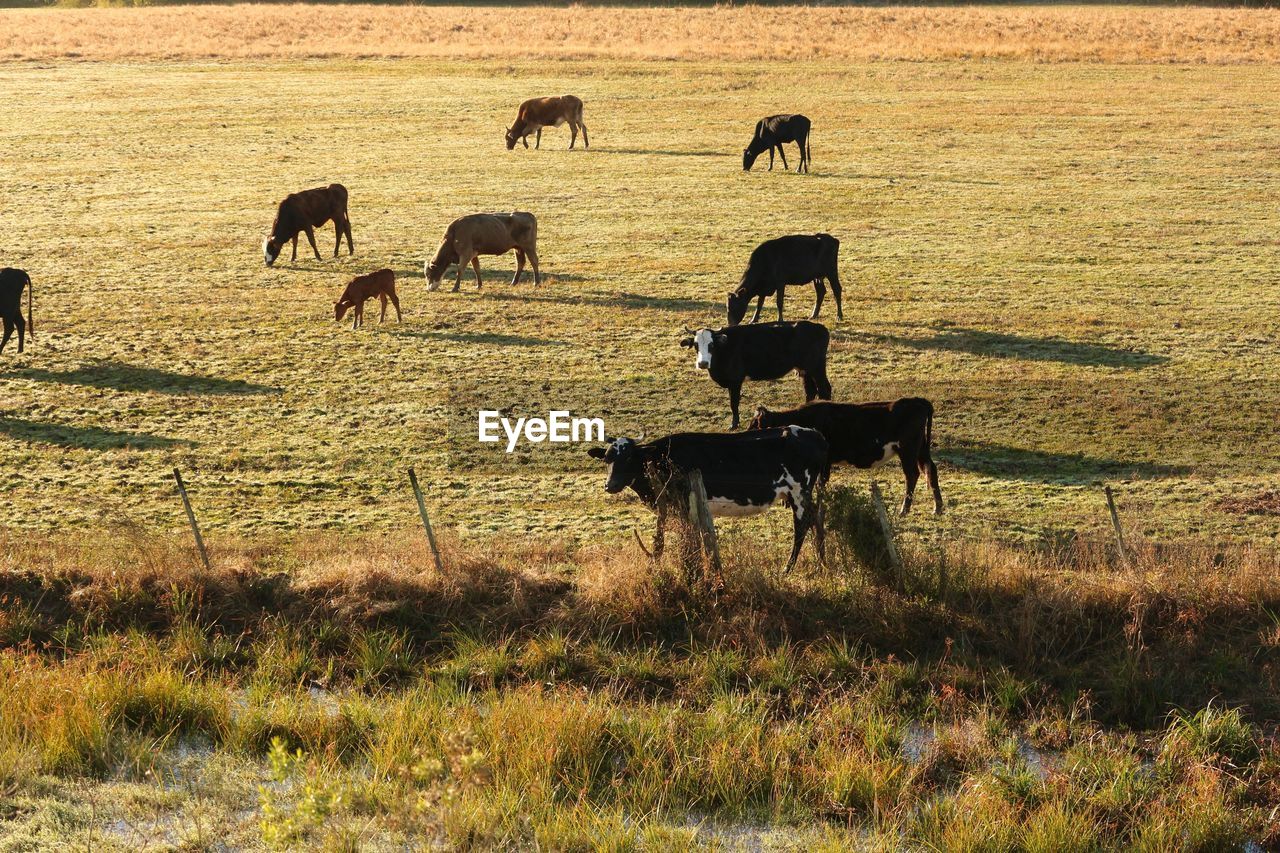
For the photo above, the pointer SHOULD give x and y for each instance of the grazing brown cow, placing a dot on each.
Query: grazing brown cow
(485, 234)
(306, 211)
(537, 113)
(381, 284)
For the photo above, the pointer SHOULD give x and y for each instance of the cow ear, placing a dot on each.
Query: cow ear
(687, 342)
(721, 339)
(596, 452)
(761, 411)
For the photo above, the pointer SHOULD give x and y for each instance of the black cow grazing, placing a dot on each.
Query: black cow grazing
(867, 434)
(306, 211)
(767, 351)
(795, 259)
(12, 281)
(771, 132)
(744, 474)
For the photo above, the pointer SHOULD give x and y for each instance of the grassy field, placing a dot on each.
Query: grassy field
(1075, 261)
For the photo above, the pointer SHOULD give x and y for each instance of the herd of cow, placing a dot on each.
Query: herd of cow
(783, 456)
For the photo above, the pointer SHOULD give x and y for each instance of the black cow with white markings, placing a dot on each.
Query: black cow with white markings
(866, 435)
(744, 473)
(794, 259)
(12, 283)
(763, 352)
(771, 132)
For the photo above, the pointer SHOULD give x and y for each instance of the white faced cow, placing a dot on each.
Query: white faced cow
(744, 473)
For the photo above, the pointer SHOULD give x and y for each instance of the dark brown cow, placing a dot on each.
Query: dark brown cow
(868, 434)
(12, 283)
(537, 113)
(485, 234)
(306, 211)
(381, 284)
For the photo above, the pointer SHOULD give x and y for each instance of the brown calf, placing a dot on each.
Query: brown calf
(381, 284)
(537, 113)
(485, 234)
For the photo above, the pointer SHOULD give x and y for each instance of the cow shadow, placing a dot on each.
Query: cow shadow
(626, 301)
(128, 377)
(84, 438)
(493, 338)
(1005, 345)
(1038, 466)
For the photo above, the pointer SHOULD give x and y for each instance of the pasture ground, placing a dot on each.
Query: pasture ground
(1075, 262)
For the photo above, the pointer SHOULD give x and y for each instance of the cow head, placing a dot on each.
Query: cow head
(762, 419)
(748, 159)
(271, 250)
(737, 304)
(624, 463)
(340, 309)
(512, 137)
(704, 343)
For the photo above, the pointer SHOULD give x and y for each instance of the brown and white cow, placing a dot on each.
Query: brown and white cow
(537, 113)
(306, 211)
(362, 288)
(485, 234)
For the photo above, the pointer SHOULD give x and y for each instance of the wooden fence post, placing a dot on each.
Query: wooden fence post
(1115, 523)
(191, 518)
(426, 522)
(887, 529)
(700, 515)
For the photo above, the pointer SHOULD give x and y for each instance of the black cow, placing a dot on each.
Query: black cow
(795, 259)
(767, 351)
(12, 281)
(867, 434)
(771, 132)
(744, 474)
(305, 212)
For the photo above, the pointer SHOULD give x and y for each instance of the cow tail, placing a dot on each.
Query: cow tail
(31, 321)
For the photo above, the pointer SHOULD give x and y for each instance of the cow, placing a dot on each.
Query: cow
(743, 473)
(767, 351)
(865, 435)
(306, 211)
(537, 113)
(485, 234)
(794, 259)
(381, 284)
(770, 133)
(12, 282)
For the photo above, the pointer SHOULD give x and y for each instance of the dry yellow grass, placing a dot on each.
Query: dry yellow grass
(1047, 34)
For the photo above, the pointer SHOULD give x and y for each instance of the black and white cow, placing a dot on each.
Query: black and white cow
(794, 259)
(12, 283)
(744, 473)
(761, 352)
(866, 435)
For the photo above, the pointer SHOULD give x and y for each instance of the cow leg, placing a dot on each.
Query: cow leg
(294, 258)
(337, 236)
(820, 292)
(834, 278)
(525, 140)
(383, 316)
(585, 142)
(515, 279)
(537, 143)
(735, 395)
(931, 474)
(357, 314)
(783, 154)
(759, 308)
(8, 332)
(533, 259)
(475, 264)
(910, 469)
(770, 158)
(462, 265)
(781, 292)
(573, 134)
(821, 384)
(810, 387)
(22, 331)
(346, 226)
(395, 300)
(311, 238)
(804, 164)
